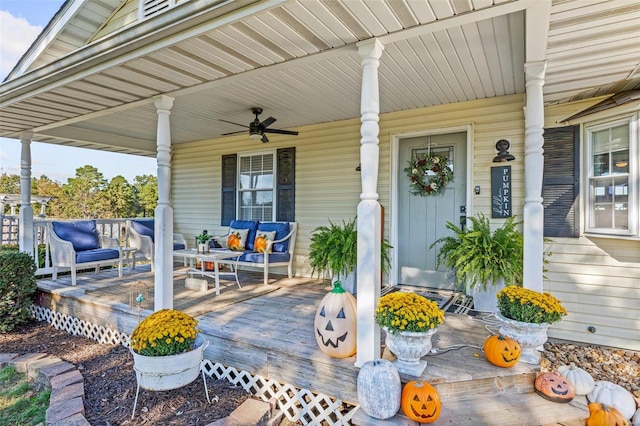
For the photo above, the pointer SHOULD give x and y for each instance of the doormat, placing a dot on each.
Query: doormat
(444, 298)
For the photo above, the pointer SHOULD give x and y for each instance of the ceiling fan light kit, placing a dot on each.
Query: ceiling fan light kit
(258, 129)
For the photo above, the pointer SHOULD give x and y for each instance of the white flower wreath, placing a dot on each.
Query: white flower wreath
(429, 174)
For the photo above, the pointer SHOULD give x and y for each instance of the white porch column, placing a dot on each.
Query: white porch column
(163, 233)
(369, 211)
(533, 168)
(26, 210)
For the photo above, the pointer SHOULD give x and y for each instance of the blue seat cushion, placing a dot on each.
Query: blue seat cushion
(178, 246)
(96, 255)
(144, 227)
(282, 230)
(82, 234)
(251, 225)
(250, 256)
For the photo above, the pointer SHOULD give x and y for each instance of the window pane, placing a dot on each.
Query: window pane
(600, 141)
(601, 216)
(601, 165)
(620, 161)
(256, 172)
(620, 138)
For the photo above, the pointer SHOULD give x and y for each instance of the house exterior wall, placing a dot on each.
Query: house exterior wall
(327, 185)
(597, 278)
(126, 15)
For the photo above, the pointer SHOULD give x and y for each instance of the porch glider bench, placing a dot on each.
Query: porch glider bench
(141, 236)
(78, 245)
(277, 250)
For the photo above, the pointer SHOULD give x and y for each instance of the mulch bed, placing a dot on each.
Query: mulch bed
(110, 382)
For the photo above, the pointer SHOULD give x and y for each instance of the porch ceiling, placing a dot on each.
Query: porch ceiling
(298, 60)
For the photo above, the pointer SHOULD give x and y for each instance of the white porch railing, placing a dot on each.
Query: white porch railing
(114, 228)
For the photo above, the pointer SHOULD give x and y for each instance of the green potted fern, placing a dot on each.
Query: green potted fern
(334, 250)
(484, 261)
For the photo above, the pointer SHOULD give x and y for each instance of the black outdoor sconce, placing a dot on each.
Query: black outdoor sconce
(503, 152)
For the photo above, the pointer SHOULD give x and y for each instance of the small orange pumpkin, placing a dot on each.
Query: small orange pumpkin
(603, 415)
(554, 387)
(502, 351)
(421, 402)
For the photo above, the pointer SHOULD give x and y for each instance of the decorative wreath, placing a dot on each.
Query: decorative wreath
(429, 174)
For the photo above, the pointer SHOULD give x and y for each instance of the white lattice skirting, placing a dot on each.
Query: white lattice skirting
(297, 404)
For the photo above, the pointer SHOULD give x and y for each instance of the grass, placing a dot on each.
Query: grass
(20, 403)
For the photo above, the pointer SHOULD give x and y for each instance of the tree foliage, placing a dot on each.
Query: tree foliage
(90, 195)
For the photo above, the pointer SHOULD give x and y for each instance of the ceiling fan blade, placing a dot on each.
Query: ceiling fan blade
(264, 139)
(268, 122)
(233, 133)
(281, 132)
(231, 122)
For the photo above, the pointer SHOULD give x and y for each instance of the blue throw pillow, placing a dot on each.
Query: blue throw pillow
(251, 225)
(144, 227)
(282, 230)
(82, 234)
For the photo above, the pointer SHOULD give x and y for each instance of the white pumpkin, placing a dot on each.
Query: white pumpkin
(582, 381)
(635, 420)
(615, 396)
(379, 389)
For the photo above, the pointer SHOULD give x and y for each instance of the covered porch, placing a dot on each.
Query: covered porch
(265, 343)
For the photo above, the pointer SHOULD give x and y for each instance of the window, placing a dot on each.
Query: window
(612, 161)
(255, 189)
(258, 186)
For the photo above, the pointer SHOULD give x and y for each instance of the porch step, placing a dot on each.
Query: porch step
(505, 410)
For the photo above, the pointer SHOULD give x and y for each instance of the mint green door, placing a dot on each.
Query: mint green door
(422, 219)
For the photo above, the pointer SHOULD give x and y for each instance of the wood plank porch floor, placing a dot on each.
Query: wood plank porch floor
(273, 335)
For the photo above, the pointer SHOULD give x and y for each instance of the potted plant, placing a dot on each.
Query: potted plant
(334, 249)
(167, 351)
(409, 321)
(202, 242)
(484, 261)
(525, 315)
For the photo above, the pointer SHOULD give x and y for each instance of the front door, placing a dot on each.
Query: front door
(423, 219)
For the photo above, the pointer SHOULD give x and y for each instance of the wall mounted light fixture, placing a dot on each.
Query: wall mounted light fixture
(503, 152)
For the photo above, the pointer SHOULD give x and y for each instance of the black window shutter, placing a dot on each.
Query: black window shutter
(228, 198)
(561, 182)
(285, 185)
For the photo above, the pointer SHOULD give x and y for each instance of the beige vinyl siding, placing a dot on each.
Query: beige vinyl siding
(327, 185)
(598, 280)
(125, 15)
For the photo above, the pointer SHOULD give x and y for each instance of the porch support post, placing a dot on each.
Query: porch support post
(369, 211)
(533, 168)
(25, 226)
(163, 232)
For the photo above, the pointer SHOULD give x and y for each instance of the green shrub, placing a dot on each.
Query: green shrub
(17, 288)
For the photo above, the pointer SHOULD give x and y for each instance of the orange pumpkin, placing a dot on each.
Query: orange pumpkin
(554, 387)
(502, 351)
(336, 323)
(233, 241)
(604, 415)
(420, 402)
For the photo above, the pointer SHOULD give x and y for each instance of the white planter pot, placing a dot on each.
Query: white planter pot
(529, 336)
(203, 248)
(484, 297)
(409, 347)
(169, 372)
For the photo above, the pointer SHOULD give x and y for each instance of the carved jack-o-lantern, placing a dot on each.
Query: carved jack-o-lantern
(502, 351)
(421, 402)
(554, 387)
(335, 323)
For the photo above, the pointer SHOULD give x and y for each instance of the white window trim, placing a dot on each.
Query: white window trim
(274, 193)
(634, 176)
